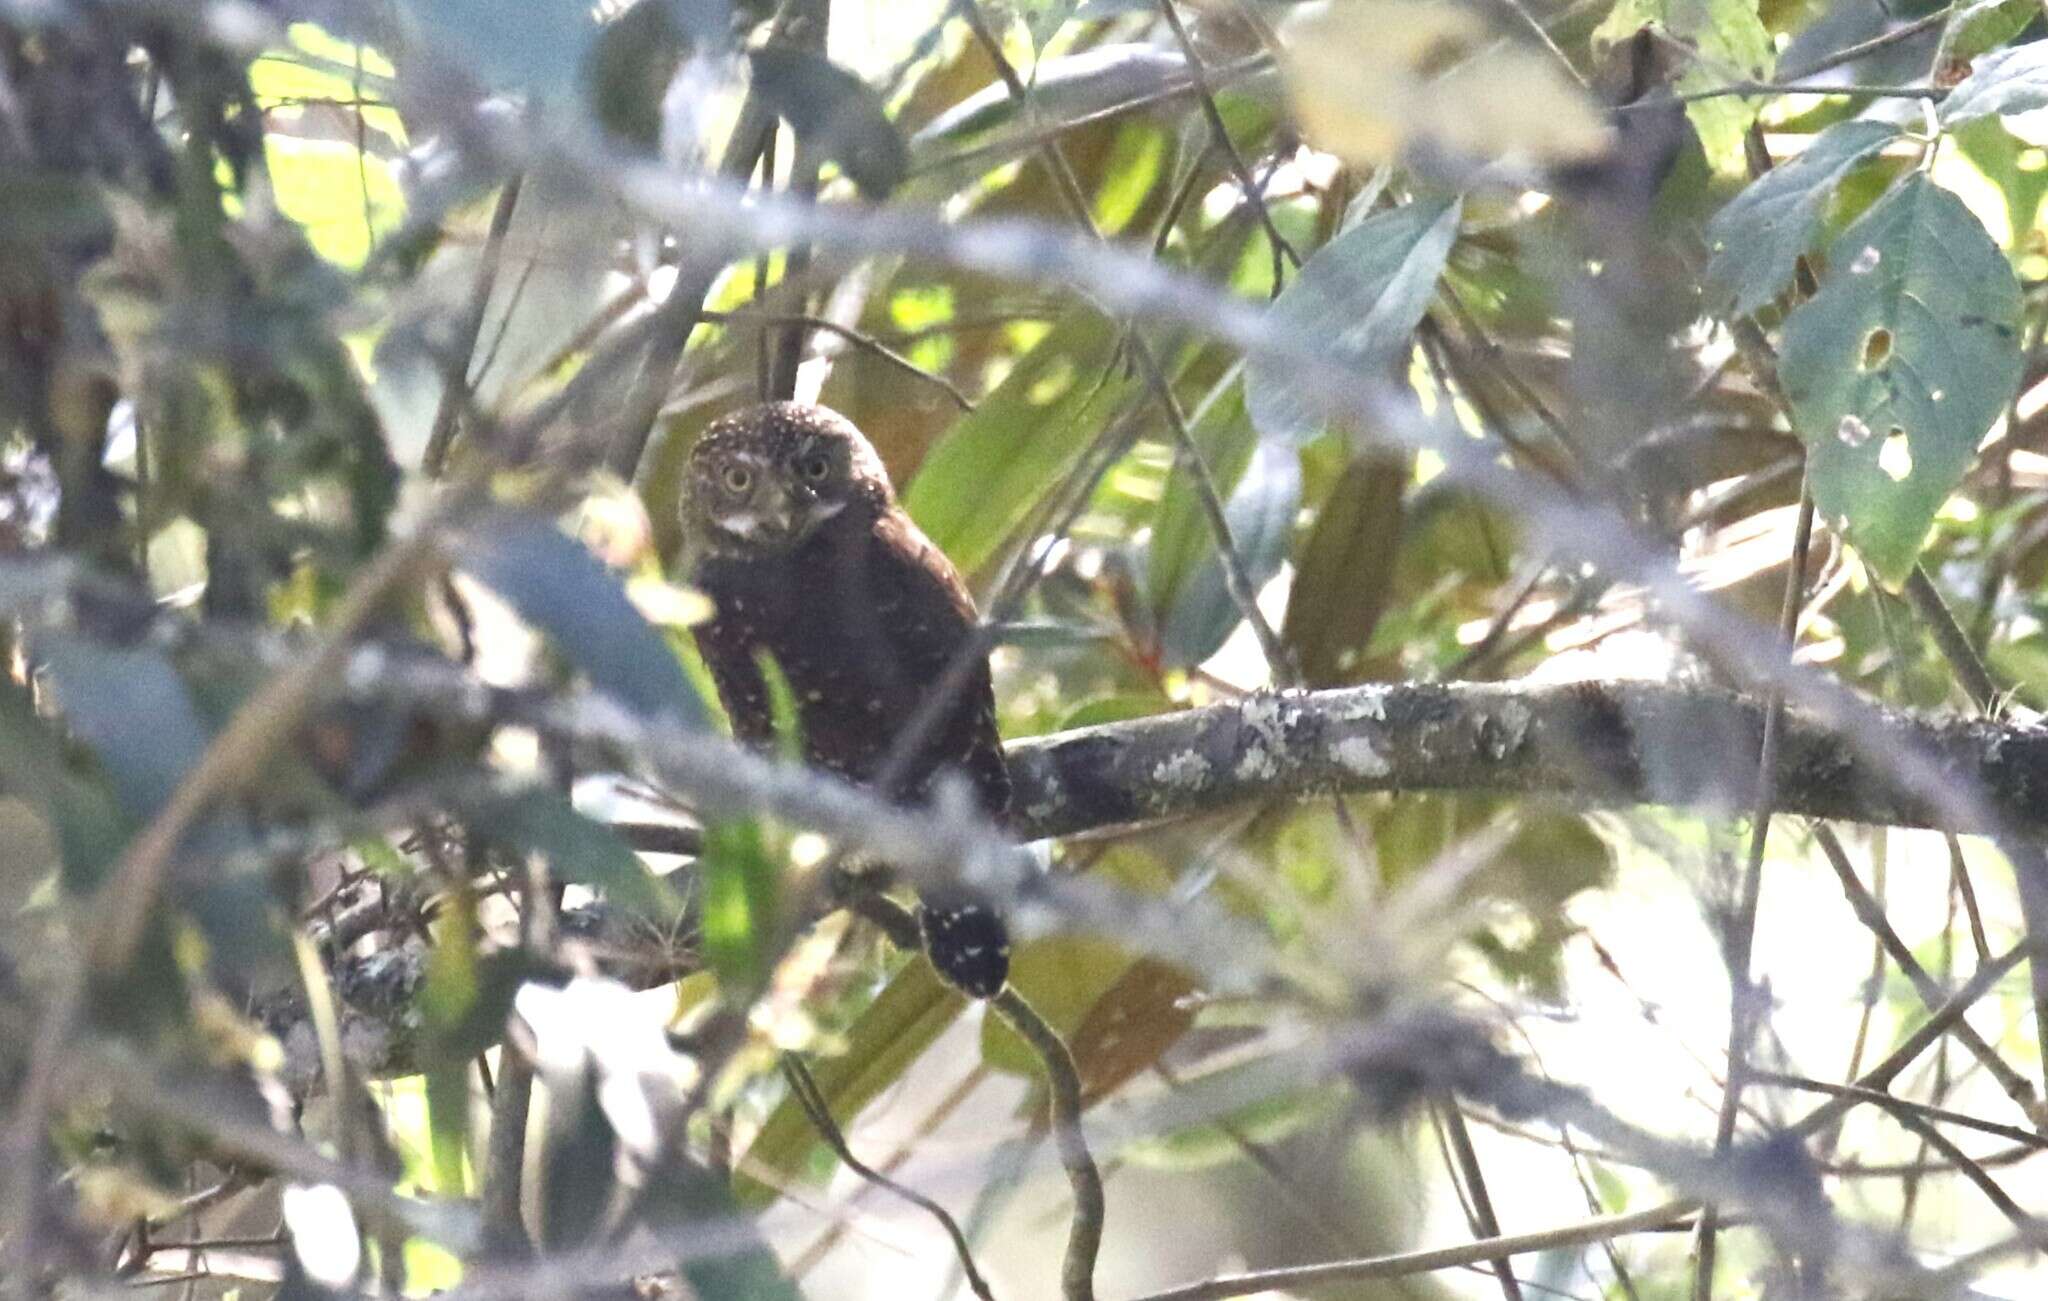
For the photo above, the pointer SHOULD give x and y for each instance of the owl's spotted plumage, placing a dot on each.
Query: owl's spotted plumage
(794, 533)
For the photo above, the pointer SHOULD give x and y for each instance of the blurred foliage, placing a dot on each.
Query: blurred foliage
(255, 259)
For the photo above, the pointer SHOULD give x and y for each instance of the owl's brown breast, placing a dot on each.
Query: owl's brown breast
(863, 619)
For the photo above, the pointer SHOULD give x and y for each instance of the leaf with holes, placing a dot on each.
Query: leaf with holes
(1763, 230)
(1361, 295)
(1898, 365)
(2005, 81)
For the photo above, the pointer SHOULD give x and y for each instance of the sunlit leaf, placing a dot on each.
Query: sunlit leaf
(987, 474)
(559, 587)
(1898, 366)
(342, 199)
(741, 884)
(1361, 295)
(1763, 230)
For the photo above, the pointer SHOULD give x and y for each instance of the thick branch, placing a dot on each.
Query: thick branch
(1595, 744)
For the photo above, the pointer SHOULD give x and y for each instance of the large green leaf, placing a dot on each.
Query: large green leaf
(1346, 570)
(986, 475)
(1731, 45)
(1899, 364)
(579, 849)
(1260, 512)
(1181, 539)
(2013, 80)
(742, 882)
(1361, 295)
(1764, 229)
(558, 586)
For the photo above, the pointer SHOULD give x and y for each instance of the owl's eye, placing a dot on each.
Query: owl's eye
(737, 478)
(817, 467)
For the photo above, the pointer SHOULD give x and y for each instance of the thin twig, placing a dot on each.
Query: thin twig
(1869, 912)
(1235, 579)
(1742, 927)
(804, 1088)
(1950, 639)
(1879, 1098)
(1063, 1080)
(1297, 1277)
(1862, 49)
(1465, 1163)
(857, 339)
(1220, 131)
(455, 380)
(2030, 1227)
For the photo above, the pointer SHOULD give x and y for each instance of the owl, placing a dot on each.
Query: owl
(792, 529)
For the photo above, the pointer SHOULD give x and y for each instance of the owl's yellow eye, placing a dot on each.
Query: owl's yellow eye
(816, 467)
(737, 478)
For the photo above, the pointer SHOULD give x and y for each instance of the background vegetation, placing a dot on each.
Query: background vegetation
(385, 912)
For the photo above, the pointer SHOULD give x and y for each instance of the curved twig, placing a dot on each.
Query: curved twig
(1084, 1238)
(804, 1088)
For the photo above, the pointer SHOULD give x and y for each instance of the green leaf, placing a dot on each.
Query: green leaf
(1181, 538)
(982, 480)
(344, 200)
(1346, 570)
(1063, 977)
(834, 113)
(132, 708)
(742, 888)
(911, 1012)
(1261, 512)
(2005, 81)
(1762, 231)
(579, 850)
(1063, 90)
(1732, 45)
(1984, 25)
(1361, 295)
(558, 586)
(1898, 365)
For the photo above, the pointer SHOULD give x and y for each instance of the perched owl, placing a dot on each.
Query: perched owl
(793, 531)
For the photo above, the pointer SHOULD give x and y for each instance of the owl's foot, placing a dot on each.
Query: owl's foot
(969, 947)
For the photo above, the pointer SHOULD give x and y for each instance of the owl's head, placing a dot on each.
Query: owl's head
(761, 481)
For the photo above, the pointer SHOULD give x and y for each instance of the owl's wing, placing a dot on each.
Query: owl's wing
(928, 616)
